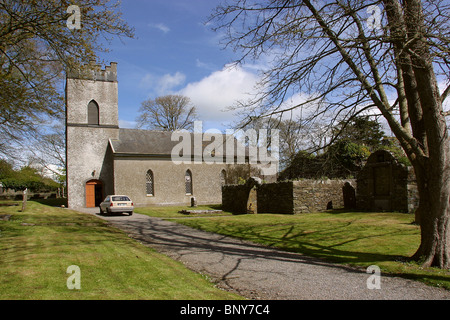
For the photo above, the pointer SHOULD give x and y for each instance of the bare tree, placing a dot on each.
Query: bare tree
(292, 136)
(49, 150)
(347, 57)
(167, 113)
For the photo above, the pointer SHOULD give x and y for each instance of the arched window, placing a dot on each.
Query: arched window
(223, 177)
(188, 182)
(93, 113)
(149, 183)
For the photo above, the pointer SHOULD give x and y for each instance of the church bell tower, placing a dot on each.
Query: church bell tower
(92, 118)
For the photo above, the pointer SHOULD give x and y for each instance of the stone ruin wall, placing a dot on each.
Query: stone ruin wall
(289, 197)
(383, 185)
(319, 195)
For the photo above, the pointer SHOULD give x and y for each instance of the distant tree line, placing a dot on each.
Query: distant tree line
(26, 177)
(351, 144)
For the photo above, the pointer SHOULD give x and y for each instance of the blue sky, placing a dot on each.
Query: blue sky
(175, 52)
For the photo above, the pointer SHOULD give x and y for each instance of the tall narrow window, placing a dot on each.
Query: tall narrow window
(150, 183)
(93, 113)
(223, 177)
(188, 182)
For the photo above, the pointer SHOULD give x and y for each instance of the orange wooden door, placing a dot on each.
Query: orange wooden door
(90, 195)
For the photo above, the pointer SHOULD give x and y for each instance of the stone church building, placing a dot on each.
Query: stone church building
(103, 159)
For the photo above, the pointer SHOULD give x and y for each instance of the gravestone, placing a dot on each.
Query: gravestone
(253, 183)
(252, 206)
(349, 195)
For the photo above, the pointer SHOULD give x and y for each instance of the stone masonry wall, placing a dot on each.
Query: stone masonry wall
(292, 197)
(318, 195)
(169, 181)
(234, 198)
(276, 198)
(384, 184)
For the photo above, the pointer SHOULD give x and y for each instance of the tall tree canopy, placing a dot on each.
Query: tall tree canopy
(344, 155)
(346, 57)
(167, 113)
(39, 40)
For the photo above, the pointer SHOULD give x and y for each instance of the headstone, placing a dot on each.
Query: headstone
(349, 196)
(24, 199)
(252, 201)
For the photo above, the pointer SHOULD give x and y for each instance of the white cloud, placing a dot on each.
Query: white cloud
(147, 82)
(168, 82)
(162, 85)
(160, 26)
(127, 124)
(205, 65)
(221, 89)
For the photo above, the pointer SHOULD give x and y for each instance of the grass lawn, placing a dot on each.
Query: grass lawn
(353, 238)
(38, 245)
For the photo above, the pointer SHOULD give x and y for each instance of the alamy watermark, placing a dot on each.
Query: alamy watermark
(74, 21)
(259, 147)
(374, 19)
(374, 281)
(74, 280)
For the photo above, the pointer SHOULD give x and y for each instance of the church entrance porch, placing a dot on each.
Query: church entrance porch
(94, 193)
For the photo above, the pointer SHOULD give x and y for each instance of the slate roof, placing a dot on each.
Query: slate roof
(154, 143)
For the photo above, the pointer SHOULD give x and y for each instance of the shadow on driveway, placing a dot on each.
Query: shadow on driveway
(258, 272)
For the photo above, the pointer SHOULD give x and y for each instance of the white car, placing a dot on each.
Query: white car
(116, 203)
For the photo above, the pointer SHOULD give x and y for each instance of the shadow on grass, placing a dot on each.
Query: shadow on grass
(293, 242)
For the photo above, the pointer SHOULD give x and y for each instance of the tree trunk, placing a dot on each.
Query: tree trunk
(433, 167)
(434, 217)
(433, 178)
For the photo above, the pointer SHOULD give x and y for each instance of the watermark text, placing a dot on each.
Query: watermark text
(74, 280)
(74, 21)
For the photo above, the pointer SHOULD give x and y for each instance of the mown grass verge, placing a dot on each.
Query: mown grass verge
(38, 245)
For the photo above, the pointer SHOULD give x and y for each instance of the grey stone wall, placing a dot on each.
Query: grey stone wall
(291, 197)
(276, 198)
(169, 181)
(88, 158)
(30, 196)
(80, 92)
(235, 197)
(318, 195)
(384, 184)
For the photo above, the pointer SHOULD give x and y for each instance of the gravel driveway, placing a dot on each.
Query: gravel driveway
(257, 272)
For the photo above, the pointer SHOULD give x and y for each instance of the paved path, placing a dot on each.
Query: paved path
(257, 272)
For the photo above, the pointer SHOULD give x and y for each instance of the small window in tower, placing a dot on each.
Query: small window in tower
(150, 183)
(223, 177)
(188, 182)
(93, 113)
